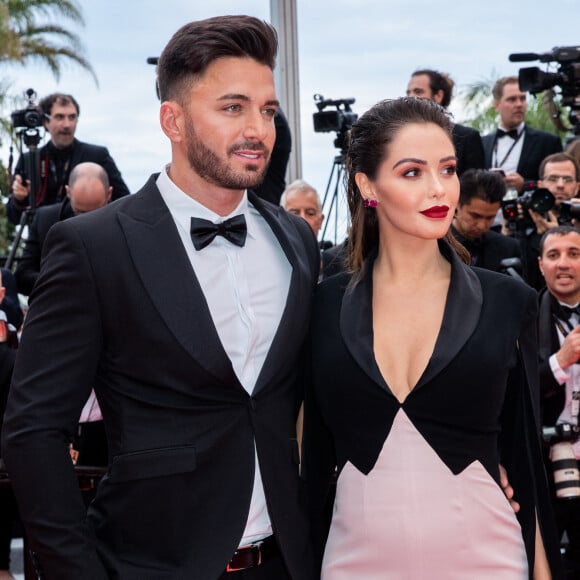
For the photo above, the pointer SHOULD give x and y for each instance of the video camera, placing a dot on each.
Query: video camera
(31, 117)
(534, 80)
(540, 200)
(339, 120)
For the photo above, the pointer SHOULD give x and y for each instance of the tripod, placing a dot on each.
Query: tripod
(336, 175)
(31, 138)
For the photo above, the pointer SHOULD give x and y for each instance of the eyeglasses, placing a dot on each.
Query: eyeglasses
(556, 178)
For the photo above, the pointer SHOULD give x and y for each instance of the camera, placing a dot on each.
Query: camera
(339, 120)
(534, 80)
(559, 433)
(31, 117)
(568, 211)
(540, 200)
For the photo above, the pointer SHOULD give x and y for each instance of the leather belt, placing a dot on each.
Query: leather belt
(253, 555)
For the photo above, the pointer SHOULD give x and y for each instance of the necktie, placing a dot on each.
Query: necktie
(203, 231)
(513, 133)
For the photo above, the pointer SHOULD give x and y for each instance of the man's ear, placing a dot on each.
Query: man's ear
(438, 96)
(171, 118)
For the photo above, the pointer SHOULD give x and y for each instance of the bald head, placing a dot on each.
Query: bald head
(88, 188)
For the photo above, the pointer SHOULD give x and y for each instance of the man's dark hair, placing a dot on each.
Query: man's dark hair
(557, 231)
(197, 44)
(482, 184)
(438, 81)
(61, 99)
(559, 158)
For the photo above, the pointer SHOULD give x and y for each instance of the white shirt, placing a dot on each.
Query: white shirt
(246, 291)
(570, 376)
(502, 147)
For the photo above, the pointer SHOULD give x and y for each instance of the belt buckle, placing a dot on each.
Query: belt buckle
(253, 548)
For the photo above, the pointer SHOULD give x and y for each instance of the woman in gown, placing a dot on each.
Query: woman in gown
(423, 380)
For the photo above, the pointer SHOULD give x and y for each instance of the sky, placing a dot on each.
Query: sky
(361, 49)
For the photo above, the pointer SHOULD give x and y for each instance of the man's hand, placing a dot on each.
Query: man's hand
(514, 181)
(19, 189)
(543, 224)
(507, 489)
(569, 352)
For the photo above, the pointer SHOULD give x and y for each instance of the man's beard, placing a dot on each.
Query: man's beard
(218, 172)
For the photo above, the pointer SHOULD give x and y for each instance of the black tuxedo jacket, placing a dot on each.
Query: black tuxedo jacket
(553, 394)
(28, 265)
(81, 152)
(468, 148)
(537, 145)
(491, 249)
(117, 306)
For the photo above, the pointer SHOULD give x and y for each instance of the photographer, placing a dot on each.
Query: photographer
(559, 352)
(480, 195)
(560, 175)
(57, 158)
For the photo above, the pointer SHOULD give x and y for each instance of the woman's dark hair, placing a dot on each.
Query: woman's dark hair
(369, 140)
(197, 44)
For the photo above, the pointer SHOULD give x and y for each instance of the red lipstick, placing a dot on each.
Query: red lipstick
(436, 212)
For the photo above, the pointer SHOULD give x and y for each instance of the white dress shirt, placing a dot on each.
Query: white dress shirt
(570, 376)
(246, 291)
(502, 152)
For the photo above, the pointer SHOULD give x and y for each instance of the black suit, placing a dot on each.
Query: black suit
(119, 303)
(29, 263)
(537, 145)
(468, 148)
(49, 186)
(489, 250)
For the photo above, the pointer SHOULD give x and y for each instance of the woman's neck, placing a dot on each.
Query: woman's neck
(410, 261)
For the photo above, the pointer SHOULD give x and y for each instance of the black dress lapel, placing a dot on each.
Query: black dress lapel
(462, 311)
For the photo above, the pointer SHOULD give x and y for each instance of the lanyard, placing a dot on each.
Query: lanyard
(498, 165)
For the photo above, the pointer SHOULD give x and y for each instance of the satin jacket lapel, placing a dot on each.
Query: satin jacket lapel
(295, 317)
(356, 323)
(162, 264)
(462, 311)
(461, 315)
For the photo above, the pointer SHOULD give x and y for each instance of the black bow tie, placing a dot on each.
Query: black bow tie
(513, 133)
(564, 312)
(203, 231)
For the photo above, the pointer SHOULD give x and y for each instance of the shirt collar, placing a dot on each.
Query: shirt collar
(182, 204)
(519, 128)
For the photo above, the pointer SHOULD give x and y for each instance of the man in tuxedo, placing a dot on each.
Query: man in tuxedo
(57, 159)
(515, 148)
(438, 87)
(559, 353)
(88, 189)
(480, 196)
(161, 303)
